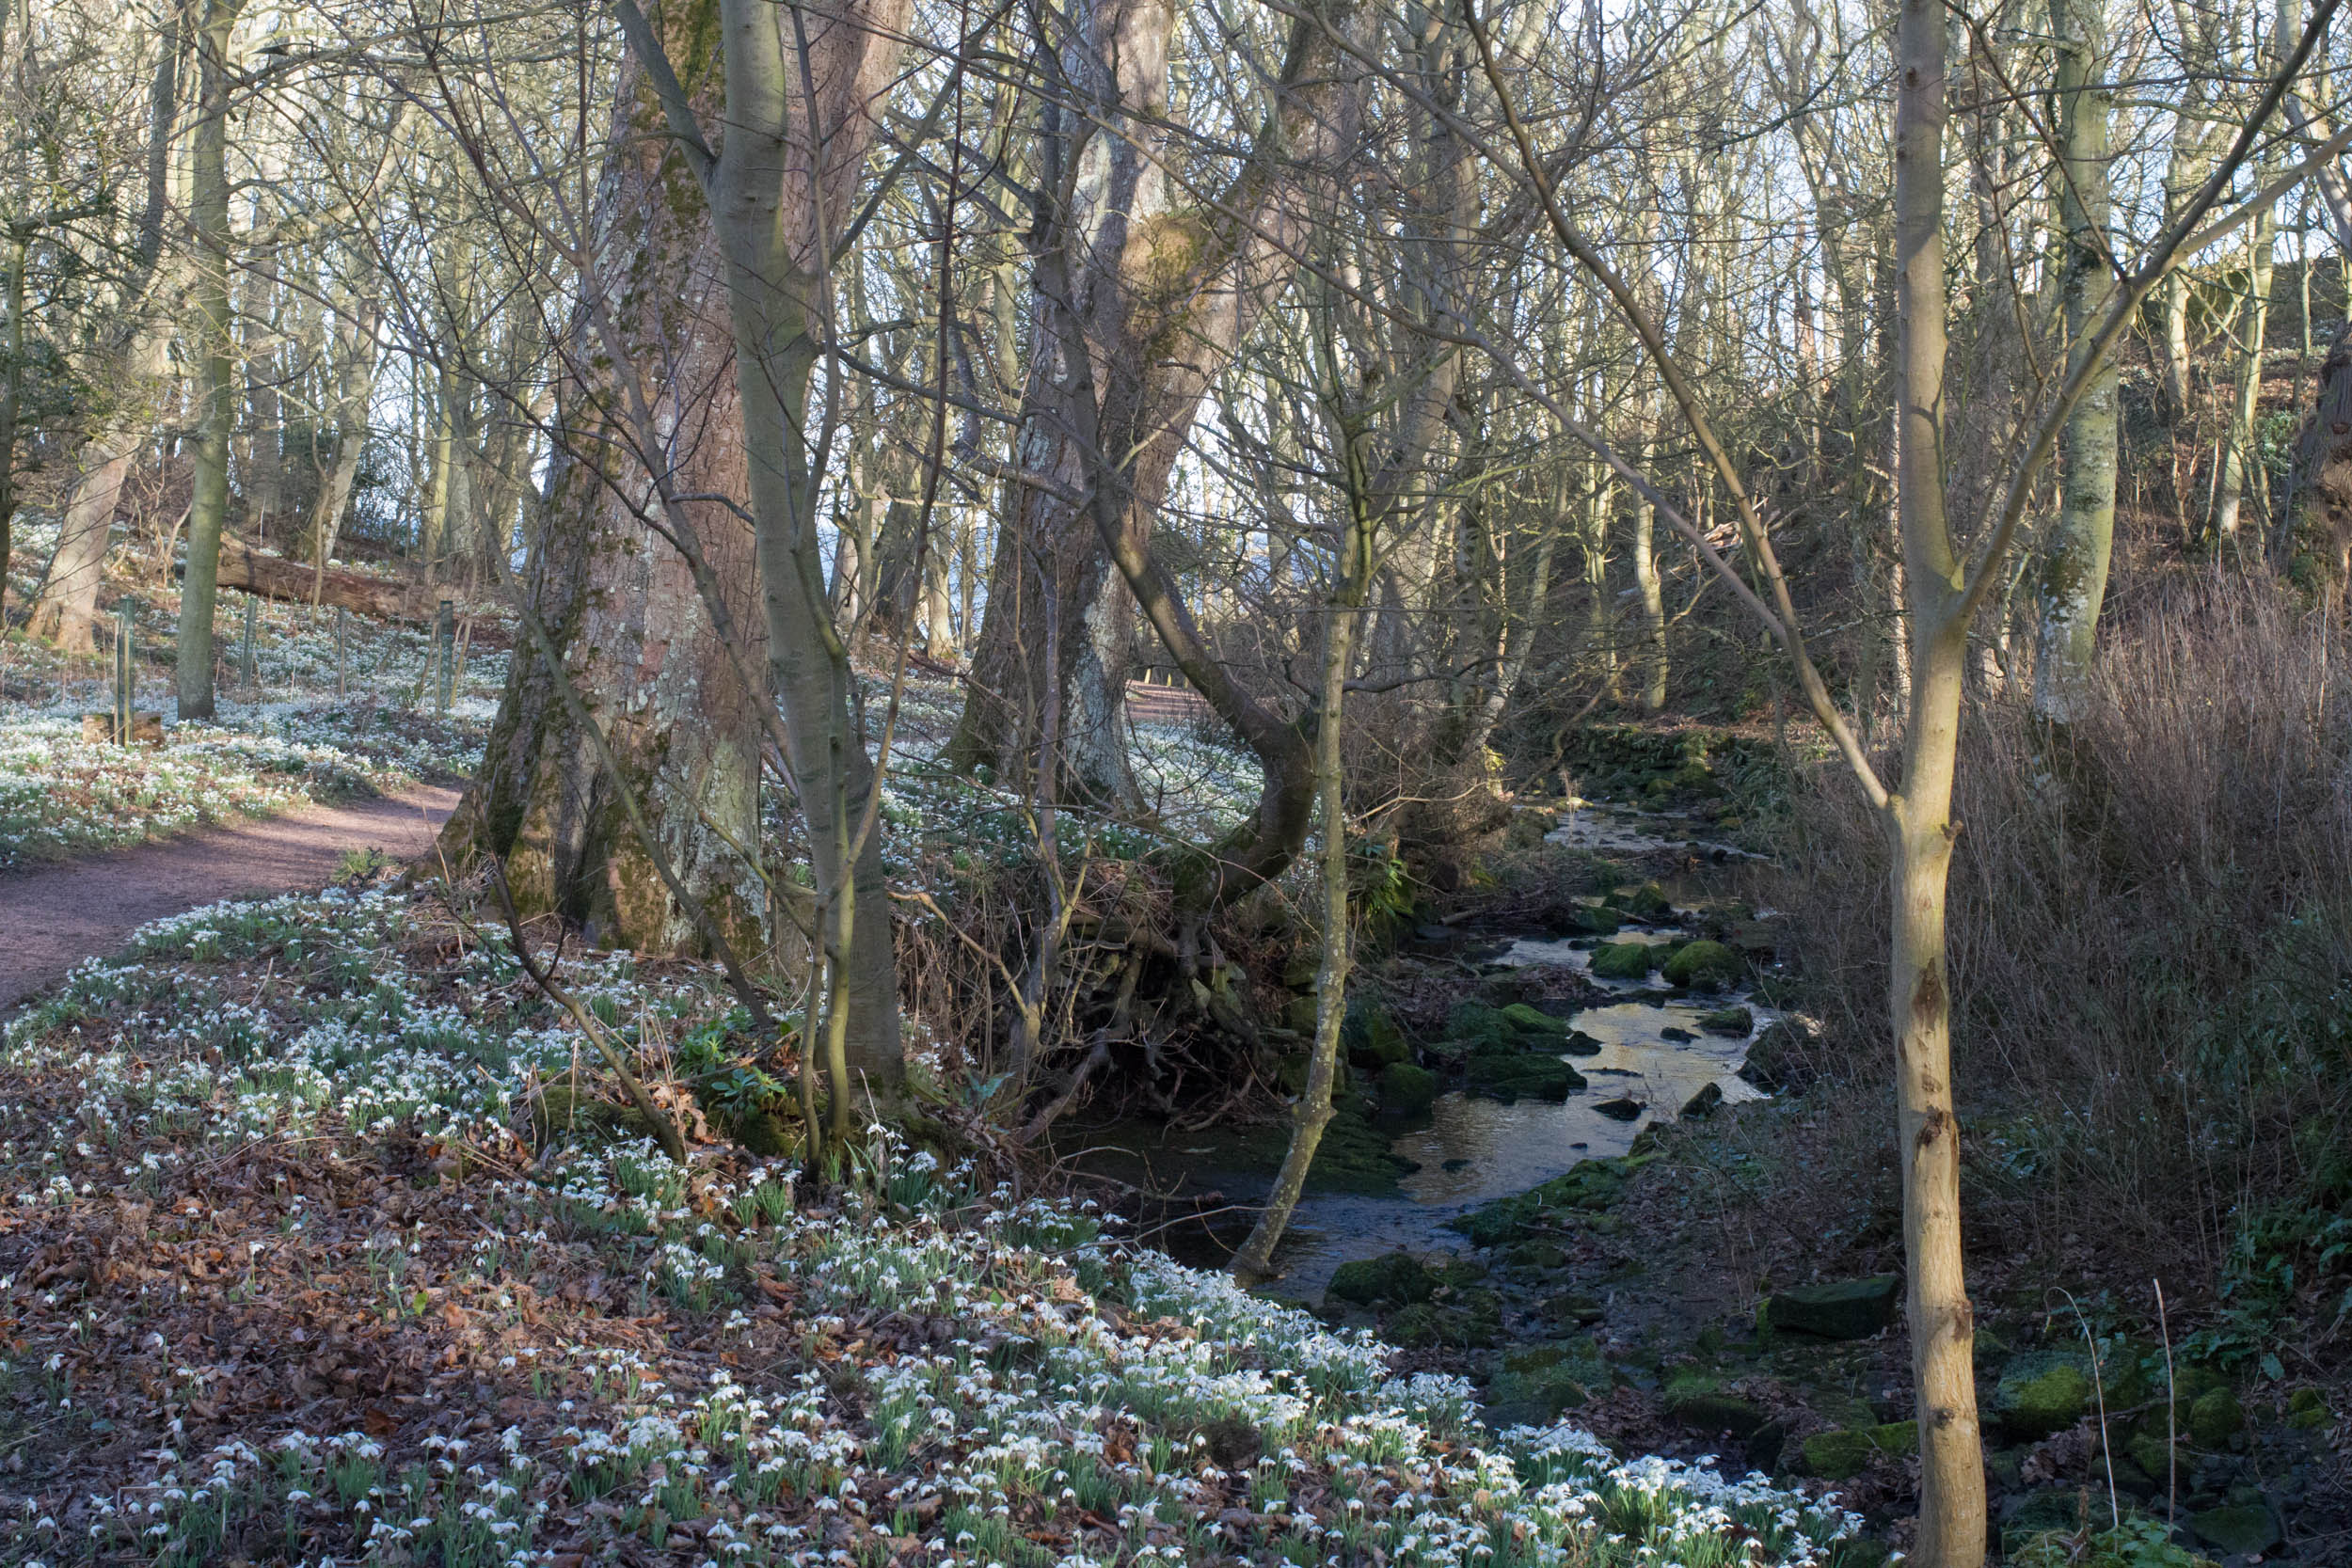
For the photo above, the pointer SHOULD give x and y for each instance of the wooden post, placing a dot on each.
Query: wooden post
(445, 628)
(126, 699)
(342, 634)
(245, 661)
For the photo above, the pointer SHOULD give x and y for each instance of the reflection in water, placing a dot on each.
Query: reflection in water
(1475, 1151)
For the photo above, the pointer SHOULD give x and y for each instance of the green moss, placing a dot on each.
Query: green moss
(2043, 1393)
(1515, 1077)
(1559, 1204)
(1624, 961)
(1397, 1277)
(2214, 1418)
(1407, 1090)
(1529, 1019)
(1704, 965)
(1839, 1455)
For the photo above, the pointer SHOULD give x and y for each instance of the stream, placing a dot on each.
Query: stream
(1472, 1150)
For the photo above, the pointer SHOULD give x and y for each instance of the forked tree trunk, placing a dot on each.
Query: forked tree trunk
(1161, 296)
(704, 313)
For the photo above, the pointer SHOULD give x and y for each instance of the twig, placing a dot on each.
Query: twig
(665, 1130)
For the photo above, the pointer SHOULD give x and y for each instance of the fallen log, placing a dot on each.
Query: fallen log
(275, 577)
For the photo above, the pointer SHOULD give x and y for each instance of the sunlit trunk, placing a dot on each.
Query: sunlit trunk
(1952, 1495)
(2074, 580)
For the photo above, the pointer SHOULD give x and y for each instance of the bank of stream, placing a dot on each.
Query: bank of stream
(1514, 1065)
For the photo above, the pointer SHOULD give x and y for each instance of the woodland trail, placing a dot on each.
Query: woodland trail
(55, 916)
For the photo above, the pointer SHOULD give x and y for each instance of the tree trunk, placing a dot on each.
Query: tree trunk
(1162, 297)
(65, 610)
(2240, 464)
(273, 576)
(263, 461)
(1952, 1499)
(354, 382)
(1646, 578)
(215, 404)
(714, 280)
(1312, 1114)
(623, 608)
(11, 399)
(2075, 560)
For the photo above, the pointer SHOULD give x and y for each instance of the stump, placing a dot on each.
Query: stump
(147, 729)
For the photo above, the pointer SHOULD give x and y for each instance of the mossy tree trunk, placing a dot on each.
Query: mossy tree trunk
(65, 610)
(1162, 294)
(621, 603)
(697, 625)
(2074, 559)
(215, 396)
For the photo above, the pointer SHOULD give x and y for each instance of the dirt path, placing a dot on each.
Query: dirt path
(53, 918)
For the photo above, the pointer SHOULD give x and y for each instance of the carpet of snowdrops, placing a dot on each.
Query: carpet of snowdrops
(297, 1264)
(285, 741)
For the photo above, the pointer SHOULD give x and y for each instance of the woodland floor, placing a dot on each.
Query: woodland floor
(53, 918)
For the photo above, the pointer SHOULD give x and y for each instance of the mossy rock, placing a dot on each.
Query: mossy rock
(1530, 1020)
(2306, 1410)
(1731, 1023)
(1704, 965)
(1407, 1090)
(1515, 1077)
(1622, 1108)
(766, 1135)
(1837, 1455)
(1527, 828)
(1298, 1014)
(1353, 1157)
(1647, 902)
(2151, 1452)
(2042, 1393)
(1585, 1190)
(1703, 1104)
(2240, 1529)
(1574, 1308)
(1473, 1027)
(1396, 1277)
(1846, 1309)
(1542, 1384)
(1780, 1058)
(1624, 961)
(1424, 1325)
(559, 1110)
(1576, 1042)
(1896, 1438)
(1595, 919)
(1372, 1038)
(1539, 1253)
(2214, 1418)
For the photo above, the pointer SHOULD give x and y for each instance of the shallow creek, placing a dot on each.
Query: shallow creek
(1473, 1150)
